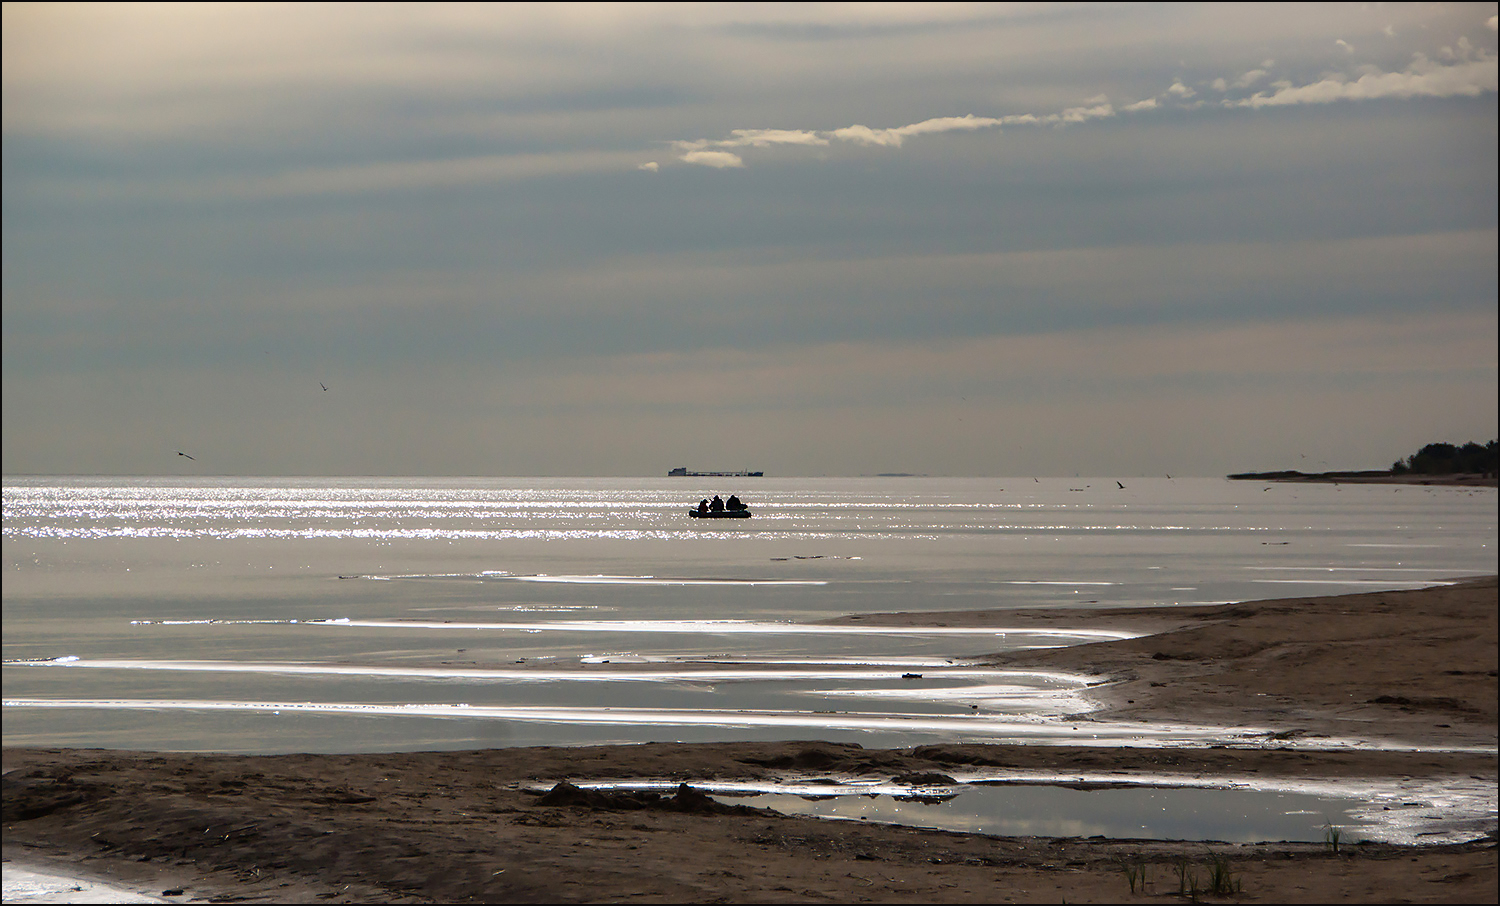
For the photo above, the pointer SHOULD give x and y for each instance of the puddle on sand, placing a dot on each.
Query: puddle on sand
(1237, 811)
(1149, 813)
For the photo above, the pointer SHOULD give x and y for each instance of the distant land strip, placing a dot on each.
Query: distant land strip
(1374, 476)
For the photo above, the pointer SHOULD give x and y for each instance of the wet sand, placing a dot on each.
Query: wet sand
(1414, 667)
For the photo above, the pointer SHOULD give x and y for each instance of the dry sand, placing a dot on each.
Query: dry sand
(1412, 666)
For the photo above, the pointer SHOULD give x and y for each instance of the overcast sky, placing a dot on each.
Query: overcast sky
(945, 239)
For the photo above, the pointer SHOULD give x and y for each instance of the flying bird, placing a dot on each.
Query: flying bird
(180, 453)
(1122, 487)
(324, 386)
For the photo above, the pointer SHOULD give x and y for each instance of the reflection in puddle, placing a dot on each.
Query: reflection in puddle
(1149, 813)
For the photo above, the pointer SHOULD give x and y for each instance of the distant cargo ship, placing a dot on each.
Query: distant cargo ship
(684, 473)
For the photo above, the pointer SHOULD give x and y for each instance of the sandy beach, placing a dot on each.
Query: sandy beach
(1413, 667)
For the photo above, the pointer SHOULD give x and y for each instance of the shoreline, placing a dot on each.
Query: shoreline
(1419, 665)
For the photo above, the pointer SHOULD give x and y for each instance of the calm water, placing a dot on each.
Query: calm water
(251, 615)
(265, 616)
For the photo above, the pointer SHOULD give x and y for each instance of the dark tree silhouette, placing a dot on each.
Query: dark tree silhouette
(1446, 459)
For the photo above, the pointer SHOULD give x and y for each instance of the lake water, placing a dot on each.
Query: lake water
(358, 615)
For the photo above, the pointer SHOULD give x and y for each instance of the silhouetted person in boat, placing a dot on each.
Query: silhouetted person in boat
(703, 506)
(716, 505)
(734, 503)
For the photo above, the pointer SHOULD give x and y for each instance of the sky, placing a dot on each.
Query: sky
(811, 239)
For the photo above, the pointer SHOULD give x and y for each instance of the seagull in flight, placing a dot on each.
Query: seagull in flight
(1122, 487)
(180, 453)
(324, 386)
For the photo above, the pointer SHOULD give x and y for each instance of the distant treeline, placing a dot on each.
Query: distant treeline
(1446, 459)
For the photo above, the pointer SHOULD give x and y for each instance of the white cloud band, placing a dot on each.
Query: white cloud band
(1422, 79)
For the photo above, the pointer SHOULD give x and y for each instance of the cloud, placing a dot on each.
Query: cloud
(1340, 42)
(650, 166)
(764, 138)
(755, 138)
(1422, 79)
(1250, 78)
(864, 135)
(701, 151)
(717, 159)
(707, 152)
(1474, 75)
(1101, 108)
(1493, 23)
(1465, 50)
(892, 138)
